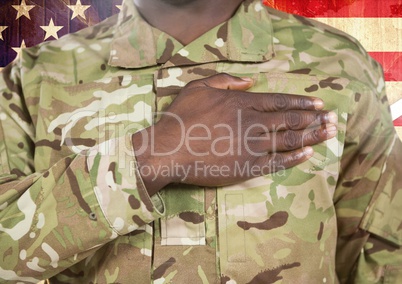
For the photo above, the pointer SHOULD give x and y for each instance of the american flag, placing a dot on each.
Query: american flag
(377, 24)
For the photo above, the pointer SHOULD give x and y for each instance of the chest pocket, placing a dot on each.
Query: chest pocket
(81, 116)
(184, 222)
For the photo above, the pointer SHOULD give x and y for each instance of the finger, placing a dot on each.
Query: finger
(275, 162)
(223, 81)
(282, 102)
(293, 119)
(293, 139)
(289, 140)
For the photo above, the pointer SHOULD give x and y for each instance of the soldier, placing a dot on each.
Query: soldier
(199, 141)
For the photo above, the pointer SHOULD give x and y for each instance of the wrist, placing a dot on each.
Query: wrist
(149, 165)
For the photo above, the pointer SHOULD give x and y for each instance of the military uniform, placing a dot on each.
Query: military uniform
(73, 207)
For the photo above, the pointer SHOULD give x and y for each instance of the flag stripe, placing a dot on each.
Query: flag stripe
(339, 8)
(375, 34)
(391, 63)
(398, 123)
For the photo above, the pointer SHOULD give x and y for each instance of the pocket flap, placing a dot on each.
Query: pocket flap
(184, 223)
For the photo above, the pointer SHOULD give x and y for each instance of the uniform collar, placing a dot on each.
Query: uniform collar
(246, 37)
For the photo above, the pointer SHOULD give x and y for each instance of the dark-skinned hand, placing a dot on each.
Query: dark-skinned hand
(215, 127)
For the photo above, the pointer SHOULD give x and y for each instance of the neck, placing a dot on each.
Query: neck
(186, 20)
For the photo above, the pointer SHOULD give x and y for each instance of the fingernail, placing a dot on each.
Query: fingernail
(331, 129)
(308, 151)
(318, 103)
(332, 117)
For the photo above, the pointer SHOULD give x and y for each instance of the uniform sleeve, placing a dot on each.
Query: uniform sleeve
(368, 197)
(51, 220)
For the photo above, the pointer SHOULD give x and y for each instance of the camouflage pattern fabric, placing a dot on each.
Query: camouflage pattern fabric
(73, 207)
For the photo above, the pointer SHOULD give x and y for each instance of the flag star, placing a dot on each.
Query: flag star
(18, 49)
(78, 9)
(51, 30)
(2, 28)
(23, 9)
(119, 7)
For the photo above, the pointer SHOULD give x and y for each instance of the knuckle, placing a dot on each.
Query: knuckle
(315, 135)
(280, 102)
(291, 139)
(294, 120)
(304, 102)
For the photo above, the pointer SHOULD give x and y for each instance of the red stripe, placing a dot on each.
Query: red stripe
(398, 121)
(392, 64)
(339, 8)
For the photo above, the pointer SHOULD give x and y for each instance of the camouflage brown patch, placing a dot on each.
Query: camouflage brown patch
(180, 60)
(246, 4)
(301, 71)
(51, 144)
(379, 244)
(277, 220)
(329, 83)
(192, 217)
(351, 183)
(160, 271)
(167, 53)
(134, 202)
(137, 220)
(215, 51)
(112, 169)
(205, 72)
(120, 78)
(311, 89)
(17, 172)
(223, 32)
(75, 188)
(225, 279)
(321, 231)
(169, 91)
(271, 276)
(80, 141)
(19, 112)
(357, 97)
(7, 96)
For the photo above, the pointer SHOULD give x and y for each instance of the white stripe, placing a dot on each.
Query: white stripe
(375, 34)
(394, 91)
(396, 109)
(399, 131)
(394, 94)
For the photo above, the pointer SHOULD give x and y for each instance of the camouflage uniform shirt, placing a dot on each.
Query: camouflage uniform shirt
(73, 207)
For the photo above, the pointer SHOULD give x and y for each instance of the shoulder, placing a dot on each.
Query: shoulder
(326, 49)
(61, 58)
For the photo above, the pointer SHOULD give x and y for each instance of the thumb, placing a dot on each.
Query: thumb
(226, 82)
